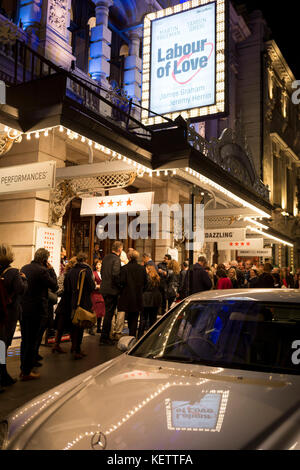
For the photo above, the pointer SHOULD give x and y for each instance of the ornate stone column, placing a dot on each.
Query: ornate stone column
(100, 50)
(30, 14)
(54, 35)
(133, 68)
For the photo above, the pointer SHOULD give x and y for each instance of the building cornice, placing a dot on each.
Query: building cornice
(238, 26)
(284, 146)
(279, 63)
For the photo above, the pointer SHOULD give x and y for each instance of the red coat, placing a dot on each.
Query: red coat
(224, 283)
(97, 299)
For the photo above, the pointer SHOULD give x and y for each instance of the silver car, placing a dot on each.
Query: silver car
(218, 371)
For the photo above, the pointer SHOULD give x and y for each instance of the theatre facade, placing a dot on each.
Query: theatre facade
(94, 130)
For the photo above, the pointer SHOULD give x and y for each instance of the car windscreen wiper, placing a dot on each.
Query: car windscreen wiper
(181, 359)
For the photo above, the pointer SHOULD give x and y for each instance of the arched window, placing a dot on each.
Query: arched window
(124, 51)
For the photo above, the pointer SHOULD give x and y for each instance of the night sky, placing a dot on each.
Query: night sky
(284, 21)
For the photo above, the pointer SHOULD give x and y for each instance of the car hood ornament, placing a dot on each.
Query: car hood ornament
(98, 441)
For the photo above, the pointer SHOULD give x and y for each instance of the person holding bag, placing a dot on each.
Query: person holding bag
(79, 284)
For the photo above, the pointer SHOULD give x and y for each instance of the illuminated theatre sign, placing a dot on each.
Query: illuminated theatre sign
(184, 61)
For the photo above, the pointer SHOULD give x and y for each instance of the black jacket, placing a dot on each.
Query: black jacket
(70, 288)
(133, 280)
(172, 284)
(110, 275)
(40, 279)
(163, 279)
(196, 280)
(182, 277)
(265, 281)
(16, 287)
(152, 297)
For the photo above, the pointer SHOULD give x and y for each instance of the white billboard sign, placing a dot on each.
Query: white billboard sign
(185, 70)
(23, 178)
(124, 203)
(224, 235)
(246, 244)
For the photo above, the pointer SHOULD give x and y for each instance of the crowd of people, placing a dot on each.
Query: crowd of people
(121, 286)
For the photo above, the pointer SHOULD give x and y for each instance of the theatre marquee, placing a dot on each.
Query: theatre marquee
(184, 62)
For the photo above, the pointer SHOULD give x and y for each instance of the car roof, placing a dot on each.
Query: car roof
(259, 295)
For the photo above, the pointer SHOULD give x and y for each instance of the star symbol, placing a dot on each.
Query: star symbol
(248, 244)
(237, 244)
(101, 204)
(110, 203)
(119, 203)
(231, 244)
(129, 202)
(242, 244)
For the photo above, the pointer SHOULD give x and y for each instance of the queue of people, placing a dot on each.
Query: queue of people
(120, 286)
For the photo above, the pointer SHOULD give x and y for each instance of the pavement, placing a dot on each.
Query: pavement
(57, 368)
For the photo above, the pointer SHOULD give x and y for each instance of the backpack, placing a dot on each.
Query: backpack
(5, 300)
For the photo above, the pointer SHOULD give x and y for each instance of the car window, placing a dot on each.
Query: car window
(235, 333)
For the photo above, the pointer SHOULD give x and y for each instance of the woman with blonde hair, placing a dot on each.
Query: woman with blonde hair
(62, 315)
(151, 300)
(172, 281)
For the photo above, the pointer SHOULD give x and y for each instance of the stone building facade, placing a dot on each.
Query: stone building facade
(95, 51)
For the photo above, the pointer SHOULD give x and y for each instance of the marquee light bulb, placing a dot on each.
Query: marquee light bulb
(28, 136)
(37, 135)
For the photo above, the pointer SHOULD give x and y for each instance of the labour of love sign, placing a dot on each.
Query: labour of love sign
(184, 68)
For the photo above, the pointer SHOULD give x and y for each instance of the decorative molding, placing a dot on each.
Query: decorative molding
(66, 190)
(7, 139)
(57, 16)
(9, 32)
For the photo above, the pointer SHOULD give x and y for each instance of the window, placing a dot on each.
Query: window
(242, 334)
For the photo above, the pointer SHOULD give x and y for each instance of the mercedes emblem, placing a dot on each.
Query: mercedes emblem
(98, 441)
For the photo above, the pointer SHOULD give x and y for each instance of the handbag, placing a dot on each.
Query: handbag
(83, 318)
(52, 297)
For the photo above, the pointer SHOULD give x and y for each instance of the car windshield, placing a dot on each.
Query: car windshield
(236, 333)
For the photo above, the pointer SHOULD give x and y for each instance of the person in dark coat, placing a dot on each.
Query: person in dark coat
(172, 281)
(151, 300)
(162, 269)
(183, 273)
(133, 280)
(15, 285)
(71, 290)
(253, 279)
(265, 280)
(63, 319)
(110, 288)
(197, 279)
(41, 277)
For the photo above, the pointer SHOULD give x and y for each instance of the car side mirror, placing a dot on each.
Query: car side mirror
(126, 342)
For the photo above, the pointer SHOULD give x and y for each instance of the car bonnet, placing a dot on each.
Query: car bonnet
(138, 403)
